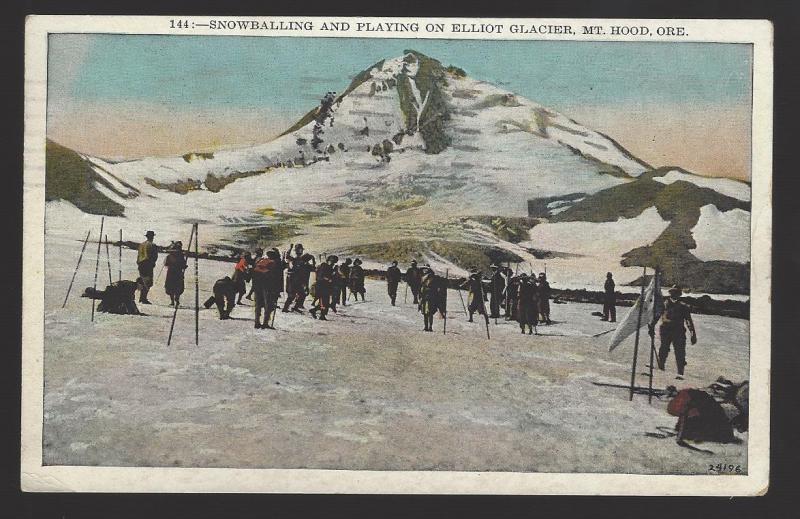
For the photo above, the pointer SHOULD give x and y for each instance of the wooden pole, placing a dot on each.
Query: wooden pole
(458, 289)
(483, 306)
(656, 290)
(76, 268)
(446, 279)
(120, 255)
(196, 284)
(175, 312)
(638, 325)
(108, 259)
(97, 262)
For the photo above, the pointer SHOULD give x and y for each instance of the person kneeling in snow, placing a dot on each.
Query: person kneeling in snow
(700, 417)
(117, 298)
(225, 291)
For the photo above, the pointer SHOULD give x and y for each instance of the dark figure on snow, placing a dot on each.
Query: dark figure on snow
(344, 274)
(146, 261)
(259, 253)
(268, 284)
(297, 280)
(117, 298)
(323, 288)
(241, 274)
(544, 299)
(224, 296)
(497, 286)
(700, 417)
(609, 300)
(336, 288)
(175, 263)
(512, 295)
(432, 297)
(671, 330)
(477, 293)
(527, 300)
(393, 276)
(413, 279)
(357, 280)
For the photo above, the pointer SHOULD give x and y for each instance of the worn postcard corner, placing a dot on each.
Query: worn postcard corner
(397, 255)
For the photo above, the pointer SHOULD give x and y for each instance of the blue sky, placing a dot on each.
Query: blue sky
(290, 73)
(218, 84)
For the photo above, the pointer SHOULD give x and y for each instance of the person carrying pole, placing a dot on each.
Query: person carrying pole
(413, 278)
(527, 303)
(146, 261)
(474, 285)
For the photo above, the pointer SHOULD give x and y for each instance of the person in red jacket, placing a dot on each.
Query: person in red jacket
(241, 273)
(700, 417)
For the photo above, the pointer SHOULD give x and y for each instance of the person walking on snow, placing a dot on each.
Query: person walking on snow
(609, 300)
(671, 330)
(393, 276)
(176, 265)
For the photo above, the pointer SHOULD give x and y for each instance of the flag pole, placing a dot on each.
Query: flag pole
(638, 325)
(656, 293)
(196, 284)
(97, 262)
(76, 268)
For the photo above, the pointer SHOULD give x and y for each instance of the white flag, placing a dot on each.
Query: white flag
(651, 300)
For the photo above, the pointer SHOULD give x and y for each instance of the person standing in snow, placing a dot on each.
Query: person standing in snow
(527, 302)
(497, 285)
(344, 274)
(324, 286)
(671, 329)
(543, 296)
(146, 261)
(476, 295)
(432, 297)
(393, 276)
(175, 263)
(357, 280)
(241, 273)
(609, 300)
(259, 253)
(268, 281)
(413, 280)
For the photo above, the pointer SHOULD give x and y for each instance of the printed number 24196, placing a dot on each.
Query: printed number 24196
(723, 468)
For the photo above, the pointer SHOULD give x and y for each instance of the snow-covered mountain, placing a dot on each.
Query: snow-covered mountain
(415, 158)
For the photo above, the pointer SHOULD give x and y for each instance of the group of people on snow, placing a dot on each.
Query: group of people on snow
(519, 297)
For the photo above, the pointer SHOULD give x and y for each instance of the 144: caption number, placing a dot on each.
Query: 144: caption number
(723, 468)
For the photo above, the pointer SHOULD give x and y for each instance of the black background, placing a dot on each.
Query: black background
(784, 463)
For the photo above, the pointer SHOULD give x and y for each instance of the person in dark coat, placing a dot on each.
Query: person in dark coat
(344, 274)
(527, 303)
(700, 417)
(175, 263)
(432, 297)
(413, 279)
(324, 286)
(297, 280)
(512, 294)
(671, 329)
(393, 277)
(268, 281)
(497, 285)
(609, 300)
(145, 262)
(544, 299)
(477, 293)
(357, 280)
(224, 296)
(117, 298)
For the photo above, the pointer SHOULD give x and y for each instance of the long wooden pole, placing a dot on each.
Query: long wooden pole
(108, 260)
(458, 289)
(483, 306)
(638, 325)
(446, 279)
(175, 312)
(120, 254)
(97, 262)
(656, 291)
(196, 284)
(76, 268)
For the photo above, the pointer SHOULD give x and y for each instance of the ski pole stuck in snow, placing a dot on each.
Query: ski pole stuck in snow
(97, 262)
(76, 268)
(108, 259)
